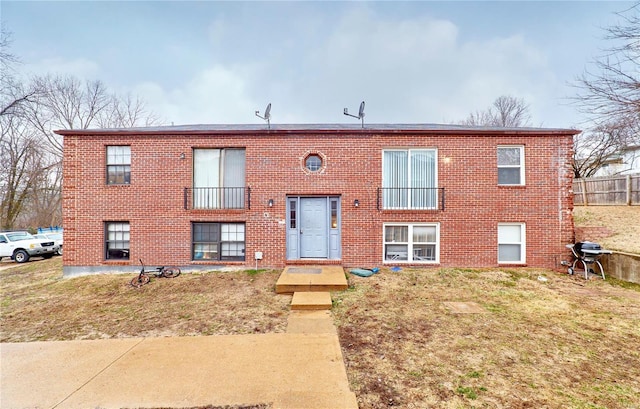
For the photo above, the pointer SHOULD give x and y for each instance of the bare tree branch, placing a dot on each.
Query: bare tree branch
(506, 111)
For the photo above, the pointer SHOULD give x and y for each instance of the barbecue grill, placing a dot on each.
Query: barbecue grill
(588, 254)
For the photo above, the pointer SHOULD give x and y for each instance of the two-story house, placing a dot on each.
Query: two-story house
(235, 195)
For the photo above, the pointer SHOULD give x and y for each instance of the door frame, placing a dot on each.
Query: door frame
(334, 223)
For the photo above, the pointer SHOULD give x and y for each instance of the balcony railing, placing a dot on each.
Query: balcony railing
(410, 198)
(211, 198)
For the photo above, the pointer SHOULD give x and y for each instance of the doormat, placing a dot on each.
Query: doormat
(304, 270)
(465, 308)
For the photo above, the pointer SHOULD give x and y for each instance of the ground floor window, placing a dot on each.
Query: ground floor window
(117, 240)
(218, 241)
(417, 243)
(511, 243)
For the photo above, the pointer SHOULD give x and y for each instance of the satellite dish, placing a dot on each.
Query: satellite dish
(360, 113)
(267, 115)
(267, 112)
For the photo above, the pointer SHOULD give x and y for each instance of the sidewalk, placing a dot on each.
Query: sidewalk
(298, 369)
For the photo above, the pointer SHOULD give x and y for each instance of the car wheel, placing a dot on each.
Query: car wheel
(60, 251)
(21, 256)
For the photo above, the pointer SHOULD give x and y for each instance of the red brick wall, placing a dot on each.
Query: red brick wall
(475, 204)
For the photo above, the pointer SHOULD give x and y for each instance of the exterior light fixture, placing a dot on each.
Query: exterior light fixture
(356, 203)
(270, 203)
(182, 155)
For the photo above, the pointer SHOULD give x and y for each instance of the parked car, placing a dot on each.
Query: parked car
(20, 246)
(56, 237)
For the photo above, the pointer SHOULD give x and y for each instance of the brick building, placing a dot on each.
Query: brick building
(224, 195)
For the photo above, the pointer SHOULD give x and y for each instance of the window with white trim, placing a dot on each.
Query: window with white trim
(415, 243)
(409, 179)
(118, 165)
(218, 241)
(510, 165)
(511, 243)
(117, 240)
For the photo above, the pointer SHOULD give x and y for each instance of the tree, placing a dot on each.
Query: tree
(610, 95)
(31, 165)
(506, 111)
(68, 103)
(610, 91)
(594, 147)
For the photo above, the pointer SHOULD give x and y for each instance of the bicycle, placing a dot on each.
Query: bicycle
(145, 275)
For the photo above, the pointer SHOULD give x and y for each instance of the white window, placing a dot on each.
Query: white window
(511, 165)
(415, 243)
(117, 236)
(118, 165)
(409, 179)
(511, 243)
(218, 178)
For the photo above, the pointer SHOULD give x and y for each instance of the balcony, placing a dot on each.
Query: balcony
(217, 198)
(410, 198)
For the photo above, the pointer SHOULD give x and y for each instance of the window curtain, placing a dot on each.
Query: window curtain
(423, 179)
(233, 178)
(206, 178)
(395, 179)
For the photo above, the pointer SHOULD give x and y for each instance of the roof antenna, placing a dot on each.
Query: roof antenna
(360, 113)
(267, 115)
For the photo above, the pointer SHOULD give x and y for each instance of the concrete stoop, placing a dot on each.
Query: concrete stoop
(312, 300)
(327, 278)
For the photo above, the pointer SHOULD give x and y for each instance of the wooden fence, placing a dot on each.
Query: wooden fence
(614, 190)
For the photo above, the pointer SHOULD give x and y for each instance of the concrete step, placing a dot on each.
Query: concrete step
(311, 301)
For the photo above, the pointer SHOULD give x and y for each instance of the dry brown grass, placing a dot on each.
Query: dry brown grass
(560, 343)
(564, 342)
(38, 304)
(622, 223)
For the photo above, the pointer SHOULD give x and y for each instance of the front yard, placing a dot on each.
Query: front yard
(540, 339)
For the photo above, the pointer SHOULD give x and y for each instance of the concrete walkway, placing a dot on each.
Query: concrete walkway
(302, 368)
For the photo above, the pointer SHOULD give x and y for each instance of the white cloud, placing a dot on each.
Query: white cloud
(216, 95)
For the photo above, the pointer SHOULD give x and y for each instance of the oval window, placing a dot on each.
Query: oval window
(313, 163)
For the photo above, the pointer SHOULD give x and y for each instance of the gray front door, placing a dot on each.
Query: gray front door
(314, 228)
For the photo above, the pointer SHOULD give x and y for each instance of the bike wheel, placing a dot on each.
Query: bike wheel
(140, 280)
(170, 272)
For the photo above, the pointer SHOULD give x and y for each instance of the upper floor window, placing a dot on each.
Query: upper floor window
(313, 163)
(511, 165)
(409, 179)
(118, 165)
(218, 178)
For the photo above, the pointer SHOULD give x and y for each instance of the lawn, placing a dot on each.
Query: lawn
(541, 339)
(614, 227)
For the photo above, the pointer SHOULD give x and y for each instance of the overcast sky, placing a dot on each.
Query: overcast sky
(412, 62)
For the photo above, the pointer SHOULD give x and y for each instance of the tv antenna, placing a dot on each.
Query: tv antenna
(267, 115)
(360, 113)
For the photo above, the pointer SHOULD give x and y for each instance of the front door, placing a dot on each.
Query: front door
(313, 227)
